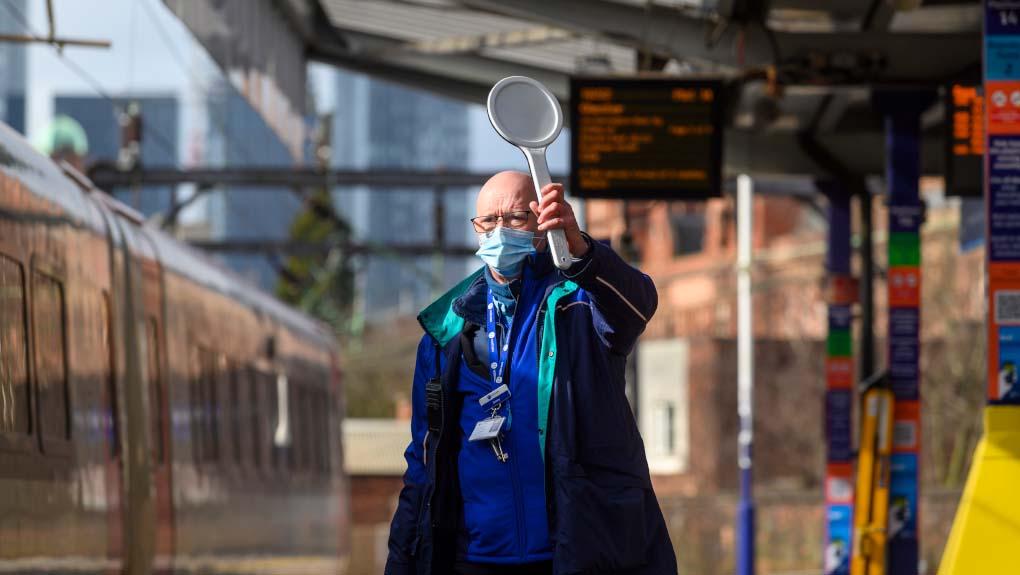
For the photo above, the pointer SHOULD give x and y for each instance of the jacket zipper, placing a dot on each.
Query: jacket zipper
(519, 514)
(426, 500)
(514, 470)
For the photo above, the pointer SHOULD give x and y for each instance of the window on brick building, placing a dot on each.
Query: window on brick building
(664, 428)
(687, 225)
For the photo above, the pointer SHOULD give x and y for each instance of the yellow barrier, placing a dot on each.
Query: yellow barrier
(871, 506)
(986, 531)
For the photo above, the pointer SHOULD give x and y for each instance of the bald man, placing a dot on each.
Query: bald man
(525, 457)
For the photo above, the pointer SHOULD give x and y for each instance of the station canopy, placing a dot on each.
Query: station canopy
(803, 73)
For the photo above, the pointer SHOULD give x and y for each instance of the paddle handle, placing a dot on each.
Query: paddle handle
(540, 175)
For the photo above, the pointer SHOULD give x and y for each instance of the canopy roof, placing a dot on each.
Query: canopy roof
(828, 58)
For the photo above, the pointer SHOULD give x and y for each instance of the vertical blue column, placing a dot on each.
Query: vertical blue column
(841, 293)
(903, 171)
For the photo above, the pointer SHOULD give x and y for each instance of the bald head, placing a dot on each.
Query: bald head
(507, 192)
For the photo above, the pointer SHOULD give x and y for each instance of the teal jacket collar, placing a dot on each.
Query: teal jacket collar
(442, 320)
(439, 319)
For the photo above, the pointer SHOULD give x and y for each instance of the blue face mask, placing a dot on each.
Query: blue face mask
(504, 249)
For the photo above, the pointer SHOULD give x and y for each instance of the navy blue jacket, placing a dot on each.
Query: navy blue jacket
(603, 517)
(504, 505)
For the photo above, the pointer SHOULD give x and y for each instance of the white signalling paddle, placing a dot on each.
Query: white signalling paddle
(526, 114)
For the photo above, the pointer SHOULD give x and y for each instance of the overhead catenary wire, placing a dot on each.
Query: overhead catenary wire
(219, 120)
(182, 63)
(83, 74)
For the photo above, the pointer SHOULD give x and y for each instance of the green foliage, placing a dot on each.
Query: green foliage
(320, 283)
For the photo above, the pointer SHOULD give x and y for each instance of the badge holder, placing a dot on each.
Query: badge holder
(491, 427)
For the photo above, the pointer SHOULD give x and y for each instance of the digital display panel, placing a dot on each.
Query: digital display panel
(965, 140)
(655, 138)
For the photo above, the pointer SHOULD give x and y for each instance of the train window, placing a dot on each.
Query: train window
(311, 424)
(314, 433)
(196, 399)
(318, 437)
(300, 453)
(105, 343)
(205, 407)
(234, 410)
(313, 411)
(150, 359)
(255, 417)
(14, 407)
(296, 455)
(273, 412)
(51, 366)
(212, 406)
(324, 438)
(285, 428)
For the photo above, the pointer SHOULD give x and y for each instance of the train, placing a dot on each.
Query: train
(158, 415)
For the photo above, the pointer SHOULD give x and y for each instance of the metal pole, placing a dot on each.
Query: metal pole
(867, 288)
(839, 391)
(439, 236)
(745, 377)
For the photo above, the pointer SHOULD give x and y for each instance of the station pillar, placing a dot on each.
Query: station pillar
(987, 525)
(839, 383)
(902, 111)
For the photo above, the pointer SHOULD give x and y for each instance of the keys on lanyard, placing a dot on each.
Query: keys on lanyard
(492, 427)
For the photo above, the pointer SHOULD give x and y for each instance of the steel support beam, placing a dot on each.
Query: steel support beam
(757, 153)
(847, 57)
(106, 177)
(295, 248)
(780, 153)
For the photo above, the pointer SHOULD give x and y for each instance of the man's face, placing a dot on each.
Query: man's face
(506, 194)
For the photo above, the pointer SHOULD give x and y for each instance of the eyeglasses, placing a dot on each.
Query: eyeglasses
(515, 220)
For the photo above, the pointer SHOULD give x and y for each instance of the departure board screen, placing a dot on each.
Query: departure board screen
(965, 140)
(656, 138)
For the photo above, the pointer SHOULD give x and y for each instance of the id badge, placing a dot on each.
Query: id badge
(487, 428)
(498, 395)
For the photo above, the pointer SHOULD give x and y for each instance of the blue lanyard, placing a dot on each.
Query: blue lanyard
(499, 340)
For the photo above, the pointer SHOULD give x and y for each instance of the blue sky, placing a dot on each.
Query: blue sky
(153, 52)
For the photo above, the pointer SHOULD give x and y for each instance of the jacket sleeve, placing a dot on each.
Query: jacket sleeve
(625, 299)
(404, 527)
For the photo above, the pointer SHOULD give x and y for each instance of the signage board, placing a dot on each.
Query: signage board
(965, 140)
(646, 138)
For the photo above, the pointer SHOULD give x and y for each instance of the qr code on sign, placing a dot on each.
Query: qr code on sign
(904, 435)
(1007, 307)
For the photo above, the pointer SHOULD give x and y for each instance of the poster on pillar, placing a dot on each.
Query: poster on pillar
(1002, 105)
(906, 213)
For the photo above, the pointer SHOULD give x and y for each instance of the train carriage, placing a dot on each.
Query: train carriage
(157, 415)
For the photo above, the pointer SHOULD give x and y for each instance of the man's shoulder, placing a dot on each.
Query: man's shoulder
(426, 348)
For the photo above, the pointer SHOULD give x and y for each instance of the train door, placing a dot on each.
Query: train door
(114, 461)
(150, 333)
(111, 356)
